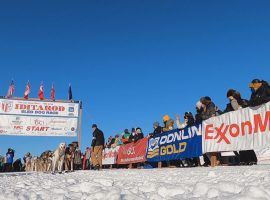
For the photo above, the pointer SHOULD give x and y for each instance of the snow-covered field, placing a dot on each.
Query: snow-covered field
(242, 182)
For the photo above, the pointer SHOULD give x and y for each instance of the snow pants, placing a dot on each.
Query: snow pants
(96, 156)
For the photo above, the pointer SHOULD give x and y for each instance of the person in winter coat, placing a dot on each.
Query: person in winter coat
(157, 129)
(97, 145)
(109, 142)
(260, 92)
(17, 165)
(199, 110)
(77, 159)
(247, 157)
(117, 141)
(168, 123)
(188, 120)
(138, 135)
(9, 160)
(208, 108)
(2, 161)
(235, 101)
(125, 137)
(87, 158)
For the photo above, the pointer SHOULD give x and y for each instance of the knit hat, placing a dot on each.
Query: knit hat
(94, 126)
(205, 100)
(256, 83)
(156, 124)
(166, 118)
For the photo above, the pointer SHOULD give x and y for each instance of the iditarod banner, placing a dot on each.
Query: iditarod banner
(109, 156)
(176, 144)
(38, 118)
(244, 129)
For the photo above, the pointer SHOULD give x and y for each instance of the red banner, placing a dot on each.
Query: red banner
(133, 152)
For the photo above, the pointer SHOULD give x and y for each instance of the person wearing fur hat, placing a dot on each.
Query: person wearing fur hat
(157, 129)
(260, 92)
(168, 123)
(208, 108)
(236, 101)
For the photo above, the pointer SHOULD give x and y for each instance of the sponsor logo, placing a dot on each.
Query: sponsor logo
(5, 127)
(56, 129)
(129, 151)
(153, 144)
(17, 121)
(57, 122)
(39, 122)
(71, 109)
(226, 132)
(7, 106)
(18, 128)
(3, 131)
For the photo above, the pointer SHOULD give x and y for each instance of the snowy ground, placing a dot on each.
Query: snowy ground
(242, 182)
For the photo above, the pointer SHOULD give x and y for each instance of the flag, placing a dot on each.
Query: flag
(41, 92)
(27, 90)
(69, 92)
(52, 93)
(11, 90)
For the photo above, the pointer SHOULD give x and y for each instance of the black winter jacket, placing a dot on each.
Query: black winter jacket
(210, 111)
(261, 96)
(98, 138)
(136, 137)
(242, 102)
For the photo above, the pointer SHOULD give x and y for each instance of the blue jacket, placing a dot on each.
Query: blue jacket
(9, 157)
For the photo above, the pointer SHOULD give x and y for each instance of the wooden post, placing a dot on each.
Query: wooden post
(160, 164)
(213, 159)
(80, 126)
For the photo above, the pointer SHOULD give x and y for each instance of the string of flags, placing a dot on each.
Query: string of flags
(41, 94)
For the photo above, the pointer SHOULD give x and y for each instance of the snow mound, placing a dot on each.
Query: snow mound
(241, 182)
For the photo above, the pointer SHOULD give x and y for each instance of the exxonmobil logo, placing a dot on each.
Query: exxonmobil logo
(223, 132)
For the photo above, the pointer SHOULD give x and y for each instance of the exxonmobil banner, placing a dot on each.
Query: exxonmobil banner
(176, 144)
(244, 129)
(133, 152)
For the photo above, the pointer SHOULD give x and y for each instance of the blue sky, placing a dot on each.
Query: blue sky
(131, 62)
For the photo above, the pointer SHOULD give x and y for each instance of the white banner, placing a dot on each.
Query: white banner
(42, 108)
(244, 129)
(38, 118)
(109, 156)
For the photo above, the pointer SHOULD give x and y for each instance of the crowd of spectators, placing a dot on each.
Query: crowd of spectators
(205, 109)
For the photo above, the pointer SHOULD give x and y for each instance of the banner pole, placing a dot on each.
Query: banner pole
(80, 127)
